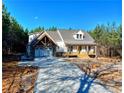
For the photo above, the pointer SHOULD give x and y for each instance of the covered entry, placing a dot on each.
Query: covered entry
(44, 46)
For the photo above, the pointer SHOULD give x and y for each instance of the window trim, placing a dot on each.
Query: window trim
(79, 36)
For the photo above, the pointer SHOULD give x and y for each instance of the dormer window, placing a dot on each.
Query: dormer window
(79, 35)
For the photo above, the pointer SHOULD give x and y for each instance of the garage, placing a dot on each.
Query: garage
(43, 52)
(43, 46)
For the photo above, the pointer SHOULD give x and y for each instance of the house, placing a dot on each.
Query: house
(68, 43)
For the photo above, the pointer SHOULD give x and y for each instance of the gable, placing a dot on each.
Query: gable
(79, 35)
(45, 34)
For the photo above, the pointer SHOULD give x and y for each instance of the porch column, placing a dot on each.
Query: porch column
(69, 49)
(95, 51)
(87, 49)
(77, 49)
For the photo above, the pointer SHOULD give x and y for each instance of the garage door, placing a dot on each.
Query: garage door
(43, 52)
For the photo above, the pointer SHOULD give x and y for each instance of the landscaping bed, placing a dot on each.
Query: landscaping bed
(17, 79)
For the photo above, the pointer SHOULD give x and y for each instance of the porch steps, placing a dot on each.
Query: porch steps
(80, 55)
(83, 55)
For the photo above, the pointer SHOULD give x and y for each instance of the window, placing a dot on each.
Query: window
(80, 36)
(77, 36)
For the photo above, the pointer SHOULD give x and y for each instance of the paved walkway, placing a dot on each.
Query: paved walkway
(57, 76)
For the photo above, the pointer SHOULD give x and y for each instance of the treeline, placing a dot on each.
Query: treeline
(14, 36)
(39, 29)
(108, 38)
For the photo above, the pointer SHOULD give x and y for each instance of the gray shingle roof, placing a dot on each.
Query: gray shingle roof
(54, 35)
(69, 39)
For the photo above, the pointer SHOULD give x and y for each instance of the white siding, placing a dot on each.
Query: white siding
(32, 36)
(61, 47)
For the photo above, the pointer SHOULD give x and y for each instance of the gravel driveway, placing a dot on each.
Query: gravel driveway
(57, 76)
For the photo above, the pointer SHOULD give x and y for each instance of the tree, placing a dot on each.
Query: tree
(38, 29)
(52, 28)
(70, 28)
(119, 36)
(5, 27)
(108, 38)
(14, 37)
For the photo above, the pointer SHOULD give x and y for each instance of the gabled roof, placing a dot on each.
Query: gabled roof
(54, 35)
(43, 35)
(68, 38)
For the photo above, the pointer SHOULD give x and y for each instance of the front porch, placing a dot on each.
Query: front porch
(81, 51)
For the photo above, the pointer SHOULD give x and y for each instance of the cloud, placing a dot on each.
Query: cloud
(35, 17)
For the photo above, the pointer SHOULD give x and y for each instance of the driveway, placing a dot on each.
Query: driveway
(57, 76)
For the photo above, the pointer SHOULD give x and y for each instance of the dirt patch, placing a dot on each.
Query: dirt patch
(109, 70)
(17, 79)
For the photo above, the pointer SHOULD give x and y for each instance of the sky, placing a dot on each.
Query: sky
(64, 14)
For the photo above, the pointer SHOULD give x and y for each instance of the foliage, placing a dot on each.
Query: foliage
(52, 28)
(14, 37)
(38, 29)
(109, 36)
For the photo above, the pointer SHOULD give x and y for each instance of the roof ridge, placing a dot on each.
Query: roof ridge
(60, 35)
